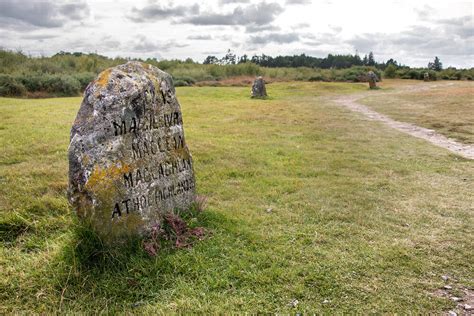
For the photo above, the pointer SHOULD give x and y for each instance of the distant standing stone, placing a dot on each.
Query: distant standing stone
(258, 88)
(426, 76)
(372, 79)
(128, 159)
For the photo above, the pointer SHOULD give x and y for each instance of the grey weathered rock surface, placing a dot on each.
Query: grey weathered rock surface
(128, 159)
(258, 88)
(372, 79)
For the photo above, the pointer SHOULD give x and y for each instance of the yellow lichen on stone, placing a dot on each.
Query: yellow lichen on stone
(85, 159)
(145, 65)
(103, 177)
(103, 78)
(156, 83)
(102, 184)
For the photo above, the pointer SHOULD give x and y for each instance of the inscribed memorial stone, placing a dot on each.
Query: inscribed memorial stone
(128, 159)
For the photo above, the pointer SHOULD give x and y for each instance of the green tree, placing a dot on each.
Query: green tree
(210, 60)
(390, 71)
(229, 58)
(392, 62)
(243, 59)
(436, 65)
(371, 60)
(365, 61)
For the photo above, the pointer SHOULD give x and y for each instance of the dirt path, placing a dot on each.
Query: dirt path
(351, 102)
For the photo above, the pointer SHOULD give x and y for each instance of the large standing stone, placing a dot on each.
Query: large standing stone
(372, 80)
(258, 88)
(128, 159)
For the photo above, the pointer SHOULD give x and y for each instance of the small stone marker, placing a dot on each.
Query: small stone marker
(258, 88)
(128, 159)
(372, 80)
(426, 76)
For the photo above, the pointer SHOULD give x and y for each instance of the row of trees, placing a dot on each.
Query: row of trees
(329, 62)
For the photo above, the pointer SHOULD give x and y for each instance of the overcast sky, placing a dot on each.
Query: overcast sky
(410, 31)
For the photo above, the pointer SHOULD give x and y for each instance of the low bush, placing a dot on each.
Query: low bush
(181, 83)
(61, 85)
(11, 87)
(188, 80)
(390, 71)
(317, 77)
(33, 82)
(85, 78)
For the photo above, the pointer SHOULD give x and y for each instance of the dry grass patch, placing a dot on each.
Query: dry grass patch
(448, 108)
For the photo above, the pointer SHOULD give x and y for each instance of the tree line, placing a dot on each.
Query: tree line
(330, 62)
(68, 73)
(303, 60)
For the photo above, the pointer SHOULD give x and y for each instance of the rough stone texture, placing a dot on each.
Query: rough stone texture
(372, 79)
(128, 160)
(258, 88)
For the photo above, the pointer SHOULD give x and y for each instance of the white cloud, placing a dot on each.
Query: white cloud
(410, 31)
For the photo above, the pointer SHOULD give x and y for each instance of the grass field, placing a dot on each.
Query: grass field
(363, 218)
(448, 108)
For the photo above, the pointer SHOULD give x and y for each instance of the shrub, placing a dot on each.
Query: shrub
(11, 87)
(33, 82)
(84, 78)
(188, 80)
(68, 86)
(181, 83)
(390, 71)
(62, 85)
(432, 75)
(317, 77)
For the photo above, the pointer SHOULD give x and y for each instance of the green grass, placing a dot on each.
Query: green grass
(362, 216)
(448, 108)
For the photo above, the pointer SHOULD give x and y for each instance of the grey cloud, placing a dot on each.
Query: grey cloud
(200, 37)
(419, 40)
(461, 26)
(153, 11)
(253, 28)
(425, 13)
(144, 45)
(74, 11)
(37, 36)
(109, 42)
(301, 2)
(40, 14)
(213, 52)
(233, 1)
(318, 39)
(301, 25)
(256, 14)
(364, 43)
(335, 28)
(280, 38)
(225, 38)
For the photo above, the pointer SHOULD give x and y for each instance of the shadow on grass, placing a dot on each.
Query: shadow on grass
(127, 276)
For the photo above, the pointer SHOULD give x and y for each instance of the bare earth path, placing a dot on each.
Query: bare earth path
(351, 102)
